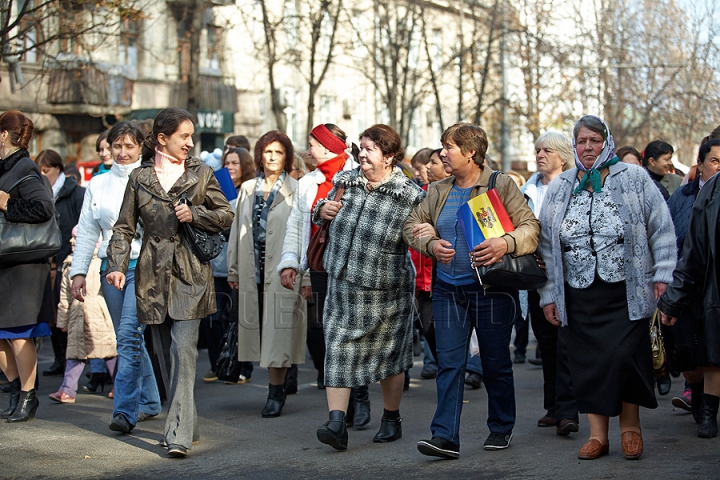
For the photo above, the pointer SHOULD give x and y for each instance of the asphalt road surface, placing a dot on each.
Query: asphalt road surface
(73, 441)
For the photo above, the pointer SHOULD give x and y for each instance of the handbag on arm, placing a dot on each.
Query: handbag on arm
(519, 273)
(205, 245)
(318, 242)
(28, 242)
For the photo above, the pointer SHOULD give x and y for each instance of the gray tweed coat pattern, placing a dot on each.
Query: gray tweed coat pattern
(369, 308)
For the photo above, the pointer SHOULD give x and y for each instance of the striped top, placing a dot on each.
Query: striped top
(458, 271)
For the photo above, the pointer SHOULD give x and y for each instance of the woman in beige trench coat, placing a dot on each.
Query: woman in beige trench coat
(271, 323)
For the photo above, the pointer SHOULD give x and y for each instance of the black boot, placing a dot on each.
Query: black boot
(291, 381)
(275, 401)
(696, 395)
(350, 416)
(361, 415)
(390, 429)
(97, 380)
(28, 403)
(334, 432)
(708, 416)
(14, 398)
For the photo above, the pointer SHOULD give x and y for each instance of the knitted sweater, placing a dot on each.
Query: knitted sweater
(650, 254)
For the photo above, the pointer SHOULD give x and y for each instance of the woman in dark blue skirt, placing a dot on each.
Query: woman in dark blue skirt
(26, 288)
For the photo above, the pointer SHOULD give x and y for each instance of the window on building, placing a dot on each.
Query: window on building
(129, 33)
(214, 48)
(183, 48)
(436, 47)
(28, 32)
(327, 105)
(291, 22)
(326, 30)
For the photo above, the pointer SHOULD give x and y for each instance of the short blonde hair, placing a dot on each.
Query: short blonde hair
(561, 144)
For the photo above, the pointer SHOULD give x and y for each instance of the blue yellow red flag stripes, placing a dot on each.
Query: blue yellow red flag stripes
(484, 217)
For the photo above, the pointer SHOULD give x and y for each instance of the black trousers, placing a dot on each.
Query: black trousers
(423, 306)
(558, 398)
(315, 334)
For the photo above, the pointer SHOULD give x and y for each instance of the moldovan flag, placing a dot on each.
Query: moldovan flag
(484, 217)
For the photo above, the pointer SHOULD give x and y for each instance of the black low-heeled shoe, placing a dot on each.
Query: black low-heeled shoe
(177, 451)
(334, 432)
(390, 430)
(120, 424)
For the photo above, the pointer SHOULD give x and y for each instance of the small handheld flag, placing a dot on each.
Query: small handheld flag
(483, 217)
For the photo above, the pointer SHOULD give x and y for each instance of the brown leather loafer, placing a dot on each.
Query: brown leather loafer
(632, 445)
(593, 449)
(546, 421)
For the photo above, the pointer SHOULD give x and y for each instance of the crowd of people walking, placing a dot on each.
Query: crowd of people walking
(348, 254)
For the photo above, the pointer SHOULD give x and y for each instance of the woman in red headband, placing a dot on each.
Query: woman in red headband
(327, 148)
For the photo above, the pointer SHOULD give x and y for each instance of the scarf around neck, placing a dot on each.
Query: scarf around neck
(261, 208)
(606, 158)
(58, 185)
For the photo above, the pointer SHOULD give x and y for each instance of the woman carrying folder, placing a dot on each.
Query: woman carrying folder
(460, 303)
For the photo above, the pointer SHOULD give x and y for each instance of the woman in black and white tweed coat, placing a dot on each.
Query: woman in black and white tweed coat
(369, 308)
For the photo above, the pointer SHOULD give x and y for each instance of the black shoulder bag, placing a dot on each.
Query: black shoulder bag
(204, 245)
(517, 273)
(28, 242)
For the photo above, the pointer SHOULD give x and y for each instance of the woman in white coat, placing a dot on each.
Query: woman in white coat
(271, 323)
(135, 387)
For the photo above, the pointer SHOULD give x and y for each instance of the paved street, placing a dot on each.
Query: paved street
(73, 441)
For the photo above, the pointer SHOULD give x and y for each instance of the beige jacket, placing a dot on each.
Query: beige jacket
(284, 322)
(89, 326)
(521, 241)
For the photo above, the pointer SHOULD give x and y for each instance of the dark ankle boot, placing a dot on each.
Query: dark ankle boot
(390, 430)
(14, 398)
(361, 414)
(708, 416)
(275, 401)
(28, 403)
(291, 381)
(334, 432)
(696, 395)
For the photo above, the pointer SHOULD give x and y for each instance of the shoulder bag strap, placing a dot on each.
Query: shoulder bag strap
(491, 183)
(23, 179)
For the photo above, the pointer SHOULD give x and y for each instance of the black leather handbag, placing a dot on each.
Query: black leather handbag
(204, 245)
(519, 273)
(28, 242)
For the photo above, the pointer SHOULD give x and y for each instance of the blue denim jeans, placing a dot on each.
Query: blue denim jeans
(136, 389)
(456, 310)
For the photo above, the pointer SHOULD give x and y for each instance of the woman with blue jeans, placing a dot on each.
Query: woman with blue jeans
(459, 301)
(136, 394)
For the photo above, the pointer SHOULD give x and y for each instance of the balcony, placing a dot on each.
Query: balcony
(89, 87)
(214, 95)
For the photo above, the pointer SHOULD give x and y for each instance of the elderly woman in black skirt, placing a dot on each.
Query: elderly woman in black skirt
(368, 315)
(608, 242)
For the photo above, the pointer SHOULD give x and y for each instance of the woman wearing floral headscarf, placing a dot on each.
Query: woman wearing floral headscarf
(608, 242)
